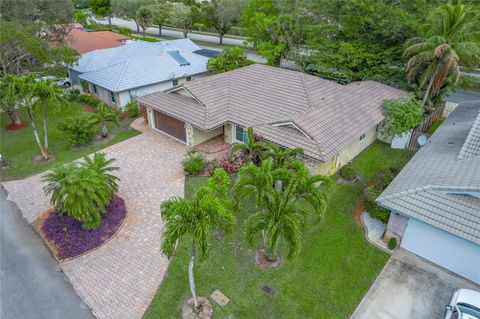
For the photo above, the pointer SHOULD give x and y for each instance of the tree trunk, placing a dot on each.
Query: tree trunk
(191, 279)
(109, 20)
(160, 30)
(45, 132)
(427, 92)
(104, 130)
(220, 35)
(14, 117)
(143, 32)
(138, 27)
(35, 133)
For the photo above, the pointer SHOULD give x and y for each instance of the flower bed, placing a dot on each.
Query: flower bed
(67, 239)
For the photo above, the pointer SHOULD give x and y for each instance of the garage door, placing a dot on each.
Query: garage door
(170, 125)
(449, 251)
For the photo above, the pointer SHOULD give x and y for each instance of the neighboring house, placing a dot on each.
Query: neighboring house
(117, 75)
(83, 41)
(331, 122)
(435, 200)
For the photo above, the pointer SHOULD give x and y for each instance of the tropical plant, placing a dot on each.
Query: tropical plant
(102, 115)
(132, 109)
(281, 219)
(253, 148)
(77, 131)
(450, 38)
(392, 243)
(144, 18)
(195, 218)
(279, 155)
(401, 116)
(194, 162)
(9, 97)
(230, 59)
(83, 191)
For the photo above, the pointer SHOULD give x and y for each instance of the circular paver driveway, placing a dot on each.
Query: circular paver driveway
(120, 279)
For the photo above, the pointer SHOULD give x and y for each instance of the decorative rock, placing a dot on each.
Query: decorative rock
(219, 298)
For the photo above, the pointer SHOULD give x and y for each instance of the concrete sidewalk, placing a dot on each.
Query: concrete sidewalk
(32, 285)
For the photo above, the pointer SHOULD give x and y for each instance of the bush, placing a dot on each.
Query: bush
(90, 100)
(392, 243)
(402, 115)
(193, 163)
(375, 210)
(148, 39)
(231, 163)
(382, 178)
(125, 31)
(348, 172)
(77, 131)
(132, 109)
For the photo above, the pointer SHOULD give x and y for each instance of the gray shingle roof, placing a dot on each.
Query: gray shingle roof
(332, 115)
(139, 64)
(438, 186)
(471, 147)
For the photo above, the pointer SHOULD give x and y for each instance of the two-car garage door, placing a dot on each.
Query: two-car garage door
(447, 250)
(170, 126)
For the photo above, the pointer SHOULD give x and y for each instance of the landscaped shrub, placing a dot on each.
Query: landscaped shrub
(89, 100)
(132, 109)
(230, 164)
(375, 210)
(193, 163)
(71, 239)
(125, 31)
(392, 243)
(382, 178)
(83, 190)
(77, 131)
(348, 172)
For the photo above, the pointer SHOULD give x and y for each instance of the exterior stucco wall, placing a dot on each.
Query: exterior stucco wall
(228, 133)
(347, 154)
(104, 95)
(200, 136)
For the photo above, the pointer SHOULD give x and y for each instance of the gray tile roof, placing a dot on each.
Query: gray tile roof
(438, 186)
(331, 115)
(139, 64)
(471, 147)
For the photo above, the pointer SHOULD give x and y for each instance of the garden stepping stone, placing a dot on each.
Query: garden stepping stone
(219, 298)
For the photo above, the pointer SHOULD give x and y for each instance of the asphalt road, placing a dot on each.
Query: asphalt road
(31, 285)
(175, 33)
(464, 96)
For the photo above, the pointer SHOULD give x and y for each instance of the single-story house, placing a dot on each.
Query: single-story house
(435, 199)
(117, 75)
(330, 121)
(83, 41)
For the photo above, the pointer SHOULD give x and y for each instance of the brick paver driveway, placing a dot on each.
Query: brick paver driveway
(120, 279)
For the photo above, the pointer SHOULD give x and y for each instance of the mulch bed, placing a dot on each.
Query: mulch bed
(67, 239)
(13, 127)
(40, 160)
(358, 213)
(262, 261)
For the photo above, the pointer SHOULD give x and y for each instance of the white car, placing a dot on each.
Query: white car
(465, 304)
(62, 82)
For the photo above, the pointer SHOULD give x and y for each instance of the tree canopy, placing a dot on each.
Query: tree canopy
(230, 59)
(402, 115)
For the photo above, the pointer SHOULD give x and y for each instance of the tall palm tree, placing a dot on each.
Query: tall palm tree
(281, 219)
(451, 37)
(253, 148)
(280, 156)
(195, 218)
(103, 114)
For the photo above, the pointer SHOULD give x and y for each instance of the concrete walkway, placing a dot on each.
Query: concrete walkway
(31, 283)
(120, 279)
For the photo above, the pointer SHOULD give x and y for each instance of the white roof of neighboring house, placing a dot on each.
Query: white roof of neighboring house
(140, 63)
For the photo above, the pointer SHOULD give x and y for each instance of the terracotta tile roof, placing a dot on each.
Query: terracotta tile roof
(83, 41)
(321, 116)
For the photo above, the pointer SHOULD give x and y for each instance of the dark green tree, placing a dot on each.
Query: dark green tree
(230, 59)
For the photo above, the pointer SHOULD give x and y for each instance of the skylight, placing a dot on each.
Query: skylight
(179, 58)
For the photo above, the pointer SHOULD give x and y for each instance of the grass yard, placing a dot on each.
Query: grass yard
(19, 147)
(328, 279)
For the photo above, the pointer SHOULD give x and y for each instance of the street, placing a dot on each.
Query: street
(31, 285)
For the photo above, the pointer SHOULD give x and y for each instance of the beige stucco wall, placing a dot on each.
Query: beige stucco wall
(200, 136)
(228, 133)
(103, 94)
(347, 154)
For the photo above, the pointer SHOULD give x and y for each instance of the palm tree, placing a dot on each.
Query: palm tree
(47, 94)
(82, 191)
(196, 218)
(280, 156)
(253, 148)
(281, 219)
(103, 114)
(451, 38)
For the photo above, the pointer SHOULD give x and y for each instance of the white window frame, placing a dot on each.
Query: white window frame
(235, 134)
(362, 137)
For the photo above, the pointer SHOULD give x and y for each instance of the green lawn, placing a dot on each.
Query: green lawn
(19, 147)
(327, 280)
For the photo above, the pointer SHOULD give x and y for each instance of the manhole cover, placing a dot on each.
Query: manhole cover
(268, 290)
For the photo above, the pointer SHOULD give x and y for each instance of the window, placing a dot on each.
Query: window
(175, 82)
(362, 137)
(112, 97)
(189, 78)
(240, 134)
(94, 89)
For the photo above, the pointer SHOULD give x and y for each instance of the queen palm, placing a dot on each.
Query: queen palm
(253, 148)
(280, 220)
(451, 38)
(279, 155)
(103, 114)
(195, 218)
